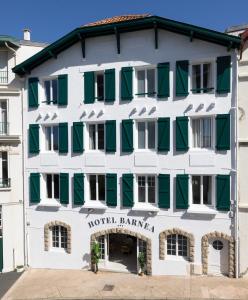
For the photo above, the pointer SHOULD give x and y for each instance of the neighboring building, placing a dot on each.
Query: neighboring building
(130, 130)
(12, 52)
(242, 144)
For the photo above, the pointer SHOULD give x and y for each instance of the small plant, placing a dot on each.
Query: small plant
(142, 262)
(19, 268)
(95, 256)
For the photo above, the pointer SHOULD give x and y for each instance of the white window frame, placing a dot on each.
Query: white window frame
(6, 69)
(101, 240)
(145, 68)
(212, 76)
(45, 190)
(100, 72)
(136, 140)
(97, 189)
(146, 189)
(212, 205)
(51, 90)
(52, 138)
(7, 117)
(201, 136)
(88, 137)
(59, 248)
(176, 256)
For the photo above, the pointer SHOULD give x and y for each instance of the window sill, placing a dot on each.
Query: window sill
(201, 150)
(51, 203)
(5, 189)
(95, 204)
(58, 250)
(201, 210)
(176, 258)
(145, 207)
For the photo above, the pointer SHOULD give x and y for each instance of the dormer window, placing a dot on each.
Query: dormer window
(3, 67)
(146, 82)
(51, 91)
(202, 78)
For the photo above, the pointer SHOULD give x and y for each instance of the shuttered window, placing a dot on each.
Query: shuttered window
(182, 143)
(163, 74)
(89, 87)
(111, 189)
(223, 74)
(127, 190)
(164, 191)
(34, 187)
(182, 72)
(223, 192)
(33, 139)
(63, 138)
(163, 134)
(78, 189)
(110, 127)
(64, 188)
(127, 83)
(33, 98)
(182, 191)
(223, 132)
(127, 135)
(109, 81)
(78, 138)
(63, 90)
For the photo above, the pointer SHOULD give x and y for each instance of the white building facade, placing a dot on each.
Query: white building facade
(12, 52)
(129, 139)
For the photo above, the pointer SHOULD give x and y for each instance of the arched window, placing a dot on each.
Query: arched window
(177, 245)
(59, 237)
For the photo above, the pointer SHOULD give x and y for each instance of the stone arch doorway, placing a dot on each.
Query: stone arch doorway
(127, 232)
(215, 240)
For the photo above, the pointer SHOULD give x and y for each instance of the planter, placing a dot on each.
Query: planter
(19, 269)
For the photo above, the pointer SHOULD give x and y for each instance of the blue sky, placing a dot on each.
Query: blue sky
(51, 19)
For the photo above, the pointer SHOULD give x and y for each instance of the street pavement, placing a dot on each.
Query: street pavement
(7, 280)
(80, 284)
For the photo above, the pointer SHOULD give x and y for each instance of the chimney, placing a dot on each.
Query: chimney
(26, 34)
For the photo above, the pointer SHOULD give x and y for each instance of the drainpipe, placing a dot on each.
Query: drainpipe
(11, 49)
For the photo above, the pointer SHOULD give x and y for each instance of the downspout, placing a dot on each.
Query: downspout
(11, 49)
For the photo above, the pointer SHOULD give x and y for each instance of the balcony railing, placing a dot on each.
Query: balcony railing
(3, 77)
(5, 183)
(4, 128)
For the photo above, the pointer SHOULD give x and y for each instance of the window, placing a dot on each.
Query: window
(59, 237)
(97, 136)
(146, 189)
(101, 241)
(97, 187)
(4, 180)
(3, 67)
(3, 117)
(202, 190)
(1, 222)
(51, 91)
(52, 138)
(201, 78)
(99, 81)
(146, 135)
(52, 186)
(177, 245)
(218, 245)
(146, 82)
(142, 246)
(202, 132)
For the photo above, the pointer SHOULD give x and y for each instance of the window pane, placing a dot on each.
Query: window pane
(5, 168)
(151, 189)
(207, 190)
(47, 91)
(182, 245)
(151, 82)
(141, 135)
(196, 78)
(196, 128)
(55, 236)
(171, 244)
(48, 138)
(151, 135)
(49, 185)
(141, 82)
(141, 188)
(101, 187)
(101, 241)
(56, 186)
(196, 189)
(100, 87)
(55, 90)
(63, 234)
(55, 138)
(206, 133)
(92, 135)
(206, 77)
(92, 187)
(101, 136)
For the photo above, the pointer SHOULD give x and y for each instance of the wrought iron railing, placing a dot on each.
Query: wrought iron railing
(3, 77)
(4, 128)
(5, 183)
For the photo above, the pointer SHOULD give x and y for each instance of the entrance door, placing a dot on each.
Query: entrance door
(218, 257)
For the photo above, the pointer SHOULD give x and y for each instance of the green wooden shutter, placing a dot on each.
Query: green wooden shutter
(78, 137)
(223, 192)
(63, 90)
(163, 134)
(127, 83)
(1, 254)
(182, 143)
(33, 94)
(64, 188)
(223, 74)
(127, 190)
(78, 189)
(163, 80)
(223, 132)
(164, 191)
(127, 135)
(109, 84)
(110, 127)
(182, 191)
(111, 189)
(63, 138)
(34, 187)
(33, 139)
(89, 87)
(182, 72)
